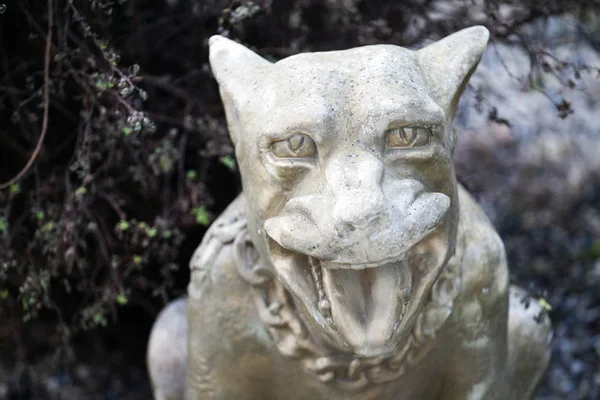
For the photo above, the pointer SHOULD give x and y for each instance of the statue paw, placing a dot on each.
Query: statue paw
(167, 351)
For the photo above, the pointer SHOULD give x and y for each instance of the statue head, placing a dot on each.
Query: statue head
(346, 165)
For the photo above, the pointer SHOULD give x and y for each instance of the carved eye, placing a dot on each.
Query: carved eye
(298, 145)
(407, 137)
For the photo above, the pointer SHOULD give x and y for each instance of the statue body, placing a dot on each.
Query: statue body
(353, 265)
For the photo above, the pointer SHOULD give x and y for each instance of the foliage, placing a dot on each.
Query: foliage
(99, 217)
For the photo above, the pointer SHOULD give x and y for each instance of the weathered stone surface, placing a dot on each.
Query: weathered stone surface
(353, 266)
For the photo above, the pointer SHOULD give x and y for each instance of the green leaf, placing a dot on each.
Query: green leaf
(99, 319)
(191, 175)
(152, 232)
(45, 283)
(40, 215)
(3, 225)
(228, 161)
(166, 164)
(14, 188)
(47, 227)
(80, 191)
(544, 303)
(126, 130)
(101, 85)
(122, 299)
(3, 293)
(137, 259)
(202, 216)
(123, 225)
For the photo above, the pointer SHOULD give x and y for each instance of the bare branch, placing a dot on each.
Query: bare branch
(38, 147)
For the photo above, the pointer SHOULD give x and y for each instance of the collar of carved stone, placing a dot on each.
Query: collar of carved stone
(276, 309)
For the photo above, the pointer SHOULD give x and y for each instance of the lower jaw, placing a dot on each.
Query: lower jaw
(365, 306)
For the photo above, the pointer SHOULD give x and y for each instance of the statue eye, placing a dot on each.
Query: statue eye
(407, 137)
(298, 145)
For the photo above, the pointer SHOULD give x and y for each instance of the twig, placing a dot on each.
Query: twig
(113, 204)
(46, 101)
(167, 86)
(182, 175)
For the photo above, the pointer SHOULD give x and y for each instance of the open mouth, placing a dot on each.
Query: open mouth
(364, 303)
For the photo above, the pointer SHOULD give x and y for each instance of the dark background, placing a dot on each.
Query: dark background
(133, 162)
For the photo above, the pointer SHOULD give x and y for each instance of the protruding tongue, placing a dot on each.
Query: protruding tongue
(365, 304)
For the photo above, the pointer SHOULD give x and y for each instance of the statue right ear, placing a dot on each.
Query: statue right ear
(448, 64)
(237, 70)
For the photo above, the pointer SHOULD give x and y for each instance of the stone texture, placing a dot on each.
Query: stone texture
(353, 266)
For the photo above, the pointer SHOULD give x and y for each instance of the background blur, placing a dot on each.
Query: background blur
(111, 123)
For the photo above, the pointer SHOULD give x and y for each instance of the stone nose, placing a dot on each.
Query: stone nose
(346, 222)
(360, 204)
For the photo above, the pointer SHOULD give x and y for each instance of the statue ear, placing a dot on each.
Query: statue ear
(235, 67)
(448, 64)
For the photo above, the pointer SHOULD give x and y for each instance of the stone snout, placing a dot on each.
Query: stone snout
(360, 219)
(357, 232)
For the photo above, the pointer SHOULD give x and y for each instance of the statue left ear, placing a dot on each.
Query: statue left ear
(448, 64)
(238, 70)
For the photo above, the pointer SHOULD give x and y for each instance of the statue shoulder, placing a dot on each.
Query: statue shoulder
(211, 257)
(483, 258)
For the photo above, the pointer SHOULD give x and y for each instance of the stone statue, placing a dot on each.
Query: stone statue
(353, 265)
